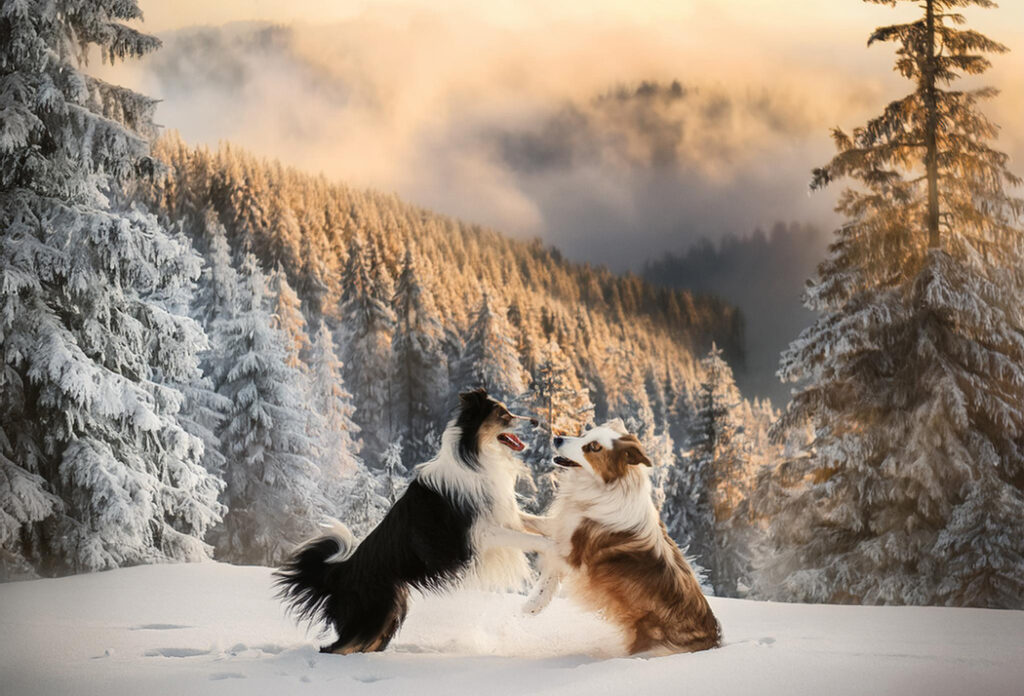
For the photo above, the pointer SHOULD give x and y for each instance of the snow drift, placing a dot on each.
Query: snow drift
(210, 628)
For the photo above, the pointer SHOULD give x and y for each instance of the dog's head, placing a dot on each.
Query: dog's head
(487, 425)
(607, 452)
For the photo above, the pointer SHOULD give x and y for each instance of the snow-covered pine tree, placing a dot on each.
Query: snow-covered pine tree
(273, 496)
(719, 467)
(214, 300)
(562, 405)
(557, 395)
(89, 349)
(202, 409)
(25, 497)
(490, 359)
(685, 509)
(420, 372)
(913, 376)
(394, 473)
(338, 445)
(983, 544)
(215, 296)
(660, 446)
(364, 506)
(287, 318)
(368, 323)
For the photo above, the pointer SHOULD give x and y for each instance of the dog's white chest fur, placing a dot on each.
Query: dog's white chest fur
(490, 490)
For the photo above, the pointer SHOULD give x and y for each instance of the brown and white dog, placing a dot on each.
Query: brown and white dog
(613, 550)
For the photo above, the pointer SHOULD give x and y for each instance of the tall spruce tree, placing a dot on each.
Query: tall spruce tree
(288, 319)
(368, 324)
(218, 284)
(96, 470)
(337, 438)
(718, 461)
(562, 405)
(273, 492)
(364, 506)
(490, 359)
(420, 372)
(394, 473)
(913, 376)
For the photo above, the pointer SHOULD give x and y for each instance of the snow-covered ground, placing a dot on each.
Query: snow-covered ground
(216, 629)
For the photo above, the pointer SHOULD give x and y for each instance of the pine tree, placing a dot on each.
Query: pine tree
(983, 543)
(25, 498)
(914, 372)
(557, 395)
(273, 496)
(368, 326)
(718, 467)
(215, 299)
(490, 359)
(562, 405)
(288, 319)
(685, 509)
(218, 284)
(393, 475)
(338, 443)
(90, 350)
(420, 369)
(364, 506)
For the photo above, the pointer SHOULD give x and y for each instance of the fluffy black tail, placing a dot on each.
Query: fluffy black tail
(306, 579)
(323, 584)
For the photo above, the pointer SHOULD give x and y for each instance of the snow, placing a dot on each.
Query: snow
(210, 628)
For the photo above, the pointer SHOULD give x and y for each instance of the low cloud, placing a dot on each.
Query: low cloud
(616, 134)
(612, 160)
(613, 140)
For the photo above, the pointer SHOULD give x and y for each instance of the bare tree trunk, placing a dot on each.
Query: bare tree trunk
(931, 126)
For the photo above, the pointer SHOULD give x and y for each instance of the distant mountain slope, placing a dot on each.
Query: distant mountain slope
(764, 276)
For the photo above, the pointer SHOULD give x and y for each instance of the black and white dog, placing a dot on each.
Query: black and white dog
(458, 517)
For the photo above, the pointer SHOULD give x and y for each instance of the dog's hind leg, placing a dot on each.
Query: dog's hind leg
(369, 622)
(394, 622)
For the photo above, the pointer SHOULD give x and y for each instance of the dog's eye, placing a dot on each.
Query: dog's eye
(592, 447)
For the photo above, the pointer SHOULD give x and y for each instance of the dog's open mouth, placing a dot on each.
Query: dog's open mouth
(565, 461)
(512, 442)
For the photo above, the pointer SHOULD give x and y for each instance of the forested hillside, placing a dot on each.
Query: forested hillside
(361, 317)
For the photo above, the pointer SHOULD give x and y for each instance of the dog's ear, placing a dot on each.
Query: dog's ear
(617, 425)
(474, 396)
(631, 451)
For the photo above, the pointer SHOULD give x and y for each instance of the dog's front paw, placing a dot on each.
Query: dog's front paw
(533, 606)
(537, 601)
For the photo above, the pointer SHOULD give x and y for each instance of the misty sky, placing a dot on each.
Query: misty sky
(615, 130)
(525, 115)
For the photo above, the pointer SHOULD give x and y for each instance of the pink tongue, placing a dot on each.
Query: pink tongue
(512, 441)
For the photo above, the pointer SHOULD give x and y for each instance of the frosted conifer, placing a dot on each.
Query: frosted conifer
(273, 490)
(368, 324)
(91, 350)
(913, 376)
(420, 372)
(338, 438)
(490, 359)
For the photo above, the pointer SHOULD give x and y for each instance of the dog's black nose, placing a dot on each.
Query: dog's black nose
(558, 441)
(534, 422)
